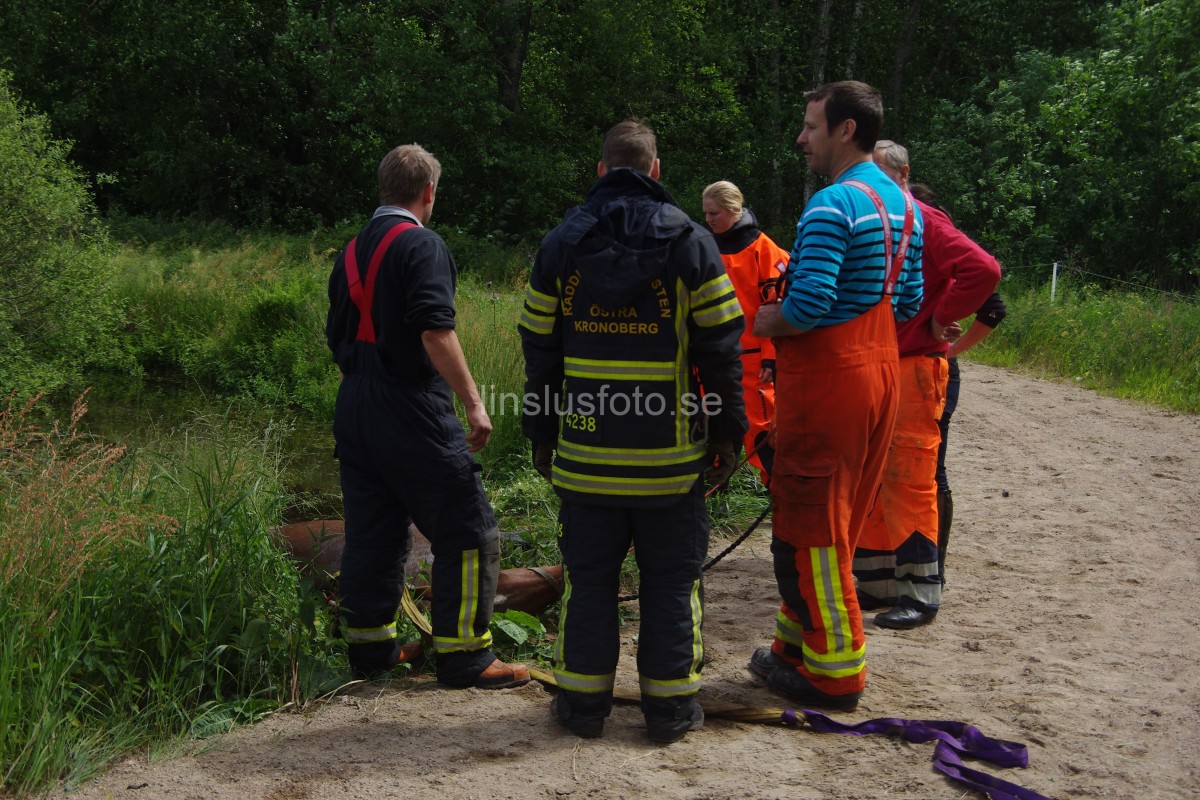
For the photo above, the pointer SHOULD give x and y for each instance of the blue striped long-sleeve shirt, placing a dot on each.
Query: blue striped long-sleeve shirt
(837, 267)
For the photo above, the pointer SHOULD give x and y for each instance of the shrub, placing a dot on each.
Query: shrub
(58, 315)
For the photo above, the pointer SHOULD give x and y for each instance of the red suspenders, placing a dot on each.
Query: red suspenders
(362, 293)
(889, 284)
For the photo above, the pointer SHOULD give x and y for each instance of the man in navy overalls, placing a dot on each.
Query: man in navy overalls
(403, 452)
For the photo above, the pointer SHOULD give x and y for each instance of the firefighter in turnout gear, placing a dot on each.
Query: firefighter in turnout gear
(627, 312)
(900, 554)
(402, 451)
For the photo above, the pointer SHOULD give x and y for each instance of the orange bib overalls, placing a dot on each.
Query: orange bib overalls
(837, 394)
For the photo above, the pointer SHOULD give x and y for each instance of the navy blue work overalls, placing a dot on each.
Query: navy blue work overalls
(404, 458)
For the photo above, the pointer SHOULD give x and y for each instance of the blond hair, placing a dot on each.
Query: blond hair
(405, 172)
(725, 194)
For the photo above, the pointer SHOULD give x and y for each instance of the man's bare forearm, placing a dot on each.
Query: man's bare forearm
(447, 356)
(974, 335)
(770, 322)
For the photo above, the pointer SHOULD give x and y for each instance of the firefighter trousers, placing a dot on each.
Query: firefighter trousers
(837, 389)
(404, 459)
(897, 556)
(670, 544)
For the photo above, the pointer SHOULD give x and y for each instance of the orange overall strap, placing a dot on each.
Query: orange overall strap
(893, 275)
(362, 294)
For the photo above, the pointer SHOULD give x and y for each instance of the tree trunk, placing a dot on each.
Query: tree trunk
(820, 43)
(820, 51)
(852, 46)
(903, 53)
(777, 113)
(511, 44)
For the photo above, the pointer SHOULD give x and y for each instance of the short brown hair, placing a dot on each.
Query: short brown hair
(852, 100)
(630, 144)
(725, 194)
(405, 172)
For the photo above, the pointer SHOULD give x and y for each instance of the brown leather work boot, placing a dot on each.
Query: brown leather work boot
(499, 675)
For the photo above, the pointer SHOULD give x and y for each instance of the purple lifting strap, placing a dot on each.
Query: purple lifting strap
(955, 739)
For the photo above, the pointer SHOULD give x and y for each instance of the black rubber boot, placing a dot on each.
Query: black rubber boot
(668, 719)
(583, 715)
(945, 508)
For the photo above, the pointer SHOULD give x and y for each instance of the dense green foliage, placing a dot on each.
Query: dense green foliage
(1091, 159)
(246, 314)
(241, 314)
(57, 314)
(1056, 130)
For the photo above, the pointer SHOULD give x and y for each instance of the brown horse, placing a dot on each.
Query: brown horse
(317, 547)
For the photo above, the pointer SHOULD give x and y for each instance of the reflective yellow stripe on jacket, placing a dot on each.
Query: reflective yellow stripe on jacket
(631, 457)
(636, 486)
(539, 312)
(597, 369)
(715, 302)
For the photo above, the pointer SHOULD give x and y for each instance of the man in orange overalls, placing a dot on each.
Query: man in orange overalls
(854, 271)
(897, 561)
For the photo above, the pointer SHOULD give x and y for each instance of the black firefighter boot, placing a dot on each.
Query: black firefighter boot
(945, 508)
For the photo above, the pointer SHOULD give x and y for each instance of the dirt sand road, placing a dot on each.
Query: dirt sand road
(1069, 623)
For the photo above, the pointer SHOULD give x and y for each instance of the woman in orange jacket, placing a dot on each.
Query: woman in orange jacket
(753, 263)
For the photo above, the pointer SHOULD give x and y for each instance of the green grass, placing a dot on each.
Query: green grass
(143, 596)
(246, 316)
(487, 328)
(1134, 345)
(244, 313)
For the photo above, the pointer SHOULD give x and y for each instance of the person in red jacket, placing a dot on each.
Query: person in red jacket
(754, 263)
(896, 561)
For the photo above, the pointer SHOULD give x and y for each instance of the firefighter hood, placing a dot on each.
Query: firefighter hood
(622, 235)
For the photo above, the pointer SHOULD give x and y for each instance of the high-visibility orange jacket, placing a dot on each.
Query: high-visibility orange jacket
(754, 263)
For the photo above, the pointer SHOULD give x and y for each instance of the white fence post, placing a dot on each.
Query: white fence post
(1054, 282)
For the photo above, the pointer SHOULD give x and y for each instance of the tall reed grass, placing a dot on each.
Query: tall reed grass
(142, 595)
(245, 317)
(487, 328)
(244, 313)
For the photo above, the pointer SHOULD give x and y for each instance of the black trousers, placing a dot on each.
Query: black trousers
(404, 459)
(953, 385)
(670, 544)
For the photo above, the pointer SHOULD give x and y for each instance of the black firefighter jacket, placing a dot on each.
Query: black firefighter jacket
(627, 314)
